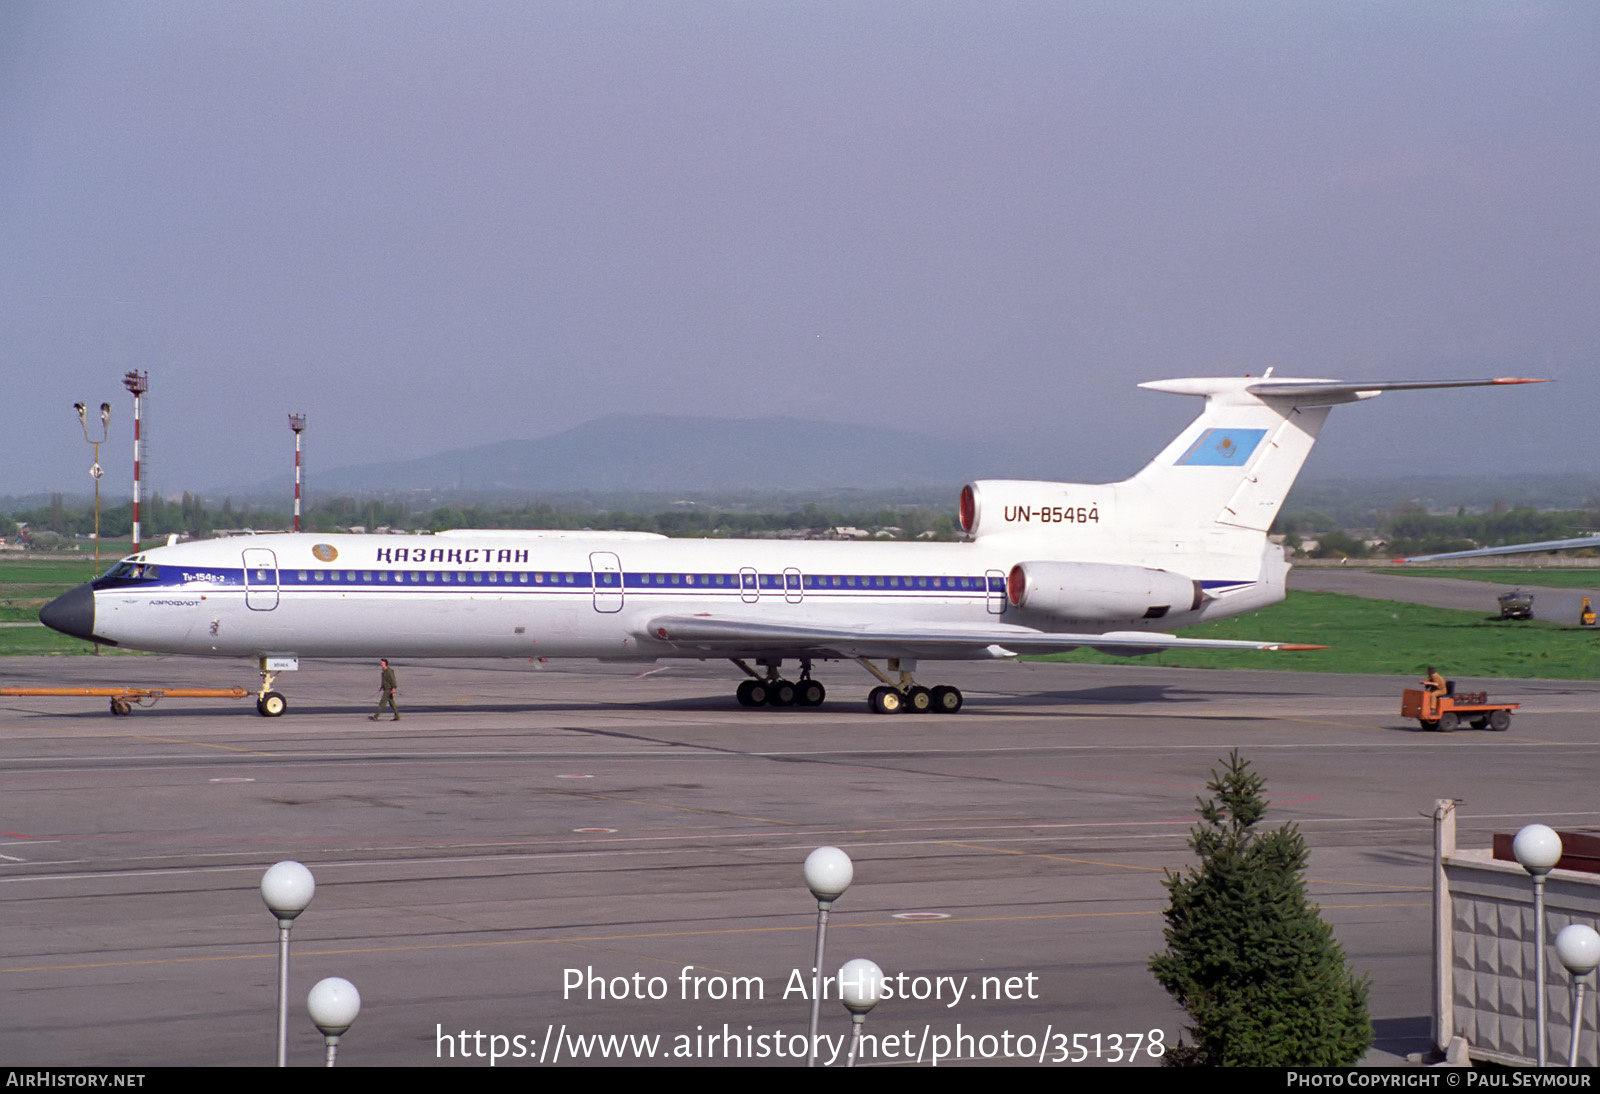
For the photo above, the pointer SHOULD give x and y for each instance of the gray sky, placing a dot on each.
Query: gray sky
(428, 225)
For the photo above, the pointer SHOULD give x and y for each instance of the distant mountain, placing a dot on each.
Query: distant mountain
(660, 454)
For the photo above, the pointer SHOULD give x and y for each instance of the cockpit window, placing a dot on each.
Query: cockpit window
(133, 571)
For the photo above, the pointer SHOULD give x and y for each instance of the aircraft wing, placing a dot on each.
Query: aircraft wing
(740, 638)
(1514, 549)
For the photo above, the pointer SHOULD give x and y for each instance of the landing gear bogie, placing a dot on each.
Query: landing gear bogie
(885, 700)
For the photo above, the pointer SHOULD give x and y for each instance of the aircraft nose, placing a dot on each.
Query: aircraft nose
(71, 613)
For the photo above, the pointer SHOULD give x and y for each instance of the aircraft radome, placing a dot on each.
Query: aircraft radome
(1049, 566)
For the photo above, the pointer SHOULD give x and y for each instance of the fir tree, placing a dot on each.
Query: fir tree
(1247, 956)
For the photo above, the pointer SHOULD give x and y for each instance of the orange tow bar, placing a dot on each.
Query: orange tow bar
(123, 699)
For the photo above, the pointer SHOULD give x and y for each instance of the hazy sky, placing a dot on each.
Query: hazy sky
(428, 225)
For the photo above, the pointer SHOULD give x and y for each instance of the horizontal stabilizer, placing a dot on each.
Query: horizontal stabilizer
(1320, 392)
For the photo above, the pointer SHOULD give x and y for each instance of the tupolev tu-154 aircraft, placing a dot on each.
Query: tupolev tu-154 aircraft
(1049, 566)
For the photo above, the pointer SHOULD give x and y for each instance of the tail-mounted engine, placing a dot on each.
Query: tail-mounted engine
(1098, 592)
(1019, 505)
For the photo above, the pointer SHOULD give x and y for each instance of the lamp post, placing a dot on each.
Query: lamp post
(1577, 948)
(287, 888)
(828, 873)
(860, 988)
(334, 1004)
(1538, 849)
(95, 471)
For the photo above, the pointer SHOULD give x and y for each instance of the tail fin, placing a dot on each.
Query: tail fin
(1203, 506)
(1234, 464)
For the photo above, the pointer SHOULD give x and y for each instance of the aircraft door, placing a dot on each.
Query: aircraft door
(260, 579)
(607, 570)
(749, 585)
(995, 580)
(793, 591)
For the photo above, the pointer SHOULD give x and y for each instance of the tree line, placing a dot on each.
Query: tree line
(192, 516)
(1410, 529)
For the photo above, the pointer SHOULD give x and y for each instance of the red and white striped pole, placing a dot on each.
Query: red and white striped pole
(297, 422)
(137, 383)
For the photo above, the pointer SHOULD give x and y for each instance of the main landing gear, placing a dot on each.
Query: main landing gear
(899, 693)
(905, 694)
(772, 690)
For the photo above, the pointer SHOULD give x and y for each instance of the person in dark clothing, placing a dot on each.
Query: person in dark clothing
(387, 686)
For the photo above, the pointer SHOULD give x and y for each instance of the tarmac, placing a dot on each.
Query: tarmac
(586, 863)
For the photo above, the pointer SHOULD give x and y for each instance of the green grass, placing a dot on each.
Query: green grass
(1562, 577)
(32, 641)
(1384, 636)
(69, 570)
(26, 585)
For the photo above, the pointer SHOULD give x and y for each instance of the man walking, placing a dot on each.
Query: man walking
(387, 686)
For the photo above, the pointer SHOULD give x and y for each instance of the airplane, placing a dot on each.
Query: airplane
(1574, 544)
(1049, 566)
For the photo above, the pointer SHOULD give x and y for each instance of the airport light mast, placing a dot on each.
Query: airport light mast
(297, 422)
(137, 384)
(95, 471)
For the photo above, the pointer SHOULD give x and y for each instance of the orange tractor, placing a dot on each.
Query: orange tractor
(1446, 710)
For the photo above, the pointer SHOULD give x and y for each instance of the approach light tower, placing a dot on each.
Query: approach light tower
(297, 422)
(137, 384)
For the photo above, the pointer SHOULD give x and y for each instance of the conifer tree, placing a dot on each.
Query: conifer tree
(1250, 959)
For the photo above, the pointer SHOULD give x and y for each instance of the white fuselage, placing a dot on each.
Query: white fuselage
(507, 594)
